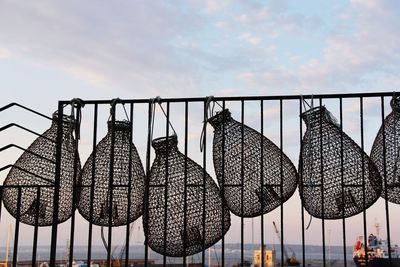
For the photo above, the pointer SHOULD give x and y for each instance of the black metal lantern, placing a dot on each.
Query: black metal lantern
(183, 218)
(385, 153)
(35, 168)
(255, 174)
(127, 188)
(338, 179)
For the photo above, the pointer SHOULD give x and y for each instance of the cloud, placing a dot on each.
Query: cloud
(392, 80)
(347, 59)
(206, 47)
(216, 5)
(4, 53)
(118, 46)
(247, 37)
(375, 5)
(276, 19)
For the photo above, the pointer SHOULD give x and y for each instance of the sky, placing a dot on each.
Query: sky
(137, 49)
(59, 50)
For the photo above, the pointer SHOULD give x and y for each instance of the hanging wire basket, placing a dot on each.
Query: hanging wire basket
(267, 177)
(338, 179)
(127, 186)
(35, 168)
(169, 229)
(385, 153)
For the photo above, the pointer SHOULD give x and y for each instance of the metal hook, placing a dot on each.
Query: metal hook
(77, 102)
(113, 104)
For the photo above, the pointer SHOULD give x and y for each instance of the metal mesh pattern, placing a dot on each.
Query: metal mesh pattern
(260, 195)
(182, 235)
(128, 180)
(389, 160)
(336, 172)
(37, 167)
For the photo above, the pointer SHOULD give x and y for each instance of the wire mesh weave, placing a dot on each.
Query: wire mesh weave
(261, 157)
(385, 153)
(337, 174)
(35, 168)
(169, 231)
(128, 180)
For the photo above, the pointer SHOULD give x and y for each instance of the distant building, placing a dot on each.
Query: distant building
(269, 257)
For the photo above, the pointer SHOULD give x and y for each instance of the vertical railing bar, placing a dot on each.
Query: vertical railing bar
(166, 186)
(303, 238)
(242, 184)
(342, 179)
(281, 176)
(322, 187)
(89, 254)
(53, 247)
(185, 188)
(385, 179)
(111, 186)
(16, 232)
(363, 175)
(204, 185)
(262, 179)
(223, 186)
(131, 137)
(147, 183)
(36, 227)
(74, 190)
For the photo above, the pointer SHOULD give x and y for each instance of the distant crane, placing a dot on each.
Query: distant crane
(292, 261)
(117, 261)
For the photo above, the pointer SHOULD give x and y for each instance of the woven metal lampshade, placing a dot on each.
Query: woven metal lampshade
(127, 180)
(335, 170)
(386, 150)
(169, 231)
(37, 167)
(262, 192)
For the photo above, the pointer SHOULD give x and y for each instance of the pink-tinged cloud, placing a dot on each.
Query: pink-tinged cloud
(348, 59)
(4, 53)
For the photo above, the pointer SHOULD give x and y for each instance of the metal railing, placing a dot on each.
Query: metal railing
(277, 117)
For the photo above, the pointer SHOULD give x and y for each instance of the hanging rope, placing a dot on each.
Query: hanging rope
(208, 113)
(153, 102)
(113, 108)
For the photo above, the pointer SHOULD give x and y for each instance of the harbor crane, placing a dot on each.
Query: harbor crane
(290, 261)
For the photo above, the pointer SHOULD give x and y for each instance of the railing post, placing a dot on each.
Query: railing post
(53, 246)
